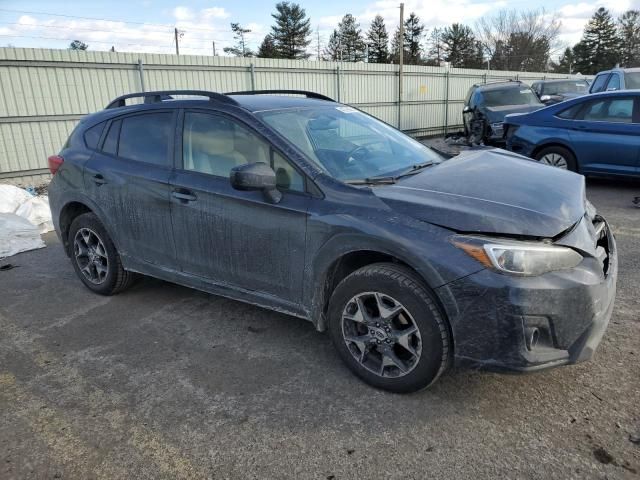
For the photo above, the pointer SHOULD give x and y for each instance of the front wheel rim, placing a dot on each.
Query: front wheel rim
(381, 334)
(554, 160)
(91, 256)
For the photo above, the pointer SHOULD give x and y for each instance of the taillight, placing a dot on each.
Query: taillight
(55, 162)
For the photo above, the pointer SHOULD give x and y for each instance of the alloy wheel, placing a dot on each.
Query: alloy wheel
(554, 160)
(91, 255)
(381, 334)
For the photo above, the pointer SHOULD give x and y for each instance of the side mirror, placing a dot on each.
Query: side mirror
(256, 176)
(466, 109)
(545, 98)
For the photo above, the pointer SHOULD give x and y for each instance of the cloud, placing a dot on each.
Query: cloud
(198, 29)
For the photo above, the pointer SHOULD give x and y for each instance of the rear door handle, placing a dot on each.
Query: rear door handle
(184, 195)
(98, 179)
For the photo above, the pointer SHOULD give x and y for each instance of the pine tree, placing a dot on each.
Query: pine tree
(240, 49)
(292, 31)
(268, 48)
(78, 45)
(629, 32)
(413, 33)
(378, 40)
(600, 43)
(461, 47)
(346, 43)
(582, 58)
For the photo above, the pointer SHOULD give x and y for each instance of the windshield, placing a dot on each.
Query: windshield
(632, 80)
(348, 144)
(510, 96)
(558, 88)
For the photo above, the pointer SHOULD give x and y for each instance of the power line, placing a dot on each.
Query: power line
(99, 42)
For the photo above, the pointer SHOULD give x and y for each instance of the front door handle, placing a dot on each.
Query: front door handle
(98, 179)
(184, 195)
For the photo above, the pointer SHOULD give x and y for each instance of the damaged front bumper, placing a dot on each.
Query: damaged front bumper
(525, 324)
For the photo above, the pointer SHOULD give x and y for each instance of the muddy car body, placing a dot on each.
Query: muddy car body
(411, 263)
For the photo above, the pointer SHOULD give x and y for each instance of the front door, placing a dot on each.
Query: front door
(232, 237)
(128, 177)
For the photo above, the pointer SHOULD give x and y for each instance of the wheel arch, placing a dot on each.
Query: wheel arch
(71, 210)
(554, 143)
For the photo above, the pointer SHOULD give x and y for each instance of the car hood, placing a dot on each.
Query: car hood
(493, 192)
(497, 114)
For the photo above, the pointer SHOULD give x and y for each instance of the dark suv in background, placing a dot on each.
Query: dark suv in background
(313, 208)
(555, 91)
(616, 79)
(487, 104)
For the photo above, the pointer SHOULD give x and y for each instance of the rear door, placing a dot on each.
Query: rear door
(231, 237)
(606, 135)
(128, 177)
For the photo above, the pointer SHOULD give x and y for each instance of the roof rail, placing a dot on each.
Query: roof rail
(506, 80)
(307, 94)
(159, 96)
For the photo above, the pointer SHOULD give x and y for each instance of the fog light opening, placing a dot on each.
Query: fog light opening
(531, 337)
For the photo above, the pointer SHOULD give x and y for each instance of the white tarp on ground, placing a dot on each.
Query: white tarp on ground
(17, 235)
(23, 217)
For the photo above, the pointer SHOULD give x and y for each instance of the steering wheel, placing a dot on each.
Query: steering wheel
(357, 152)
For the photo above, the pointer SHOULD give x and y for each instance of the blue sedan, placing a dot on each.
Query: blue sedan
(597, 134)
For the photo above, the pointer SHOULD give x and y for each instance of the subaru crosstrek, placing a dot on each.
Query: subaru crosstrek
(294, 202)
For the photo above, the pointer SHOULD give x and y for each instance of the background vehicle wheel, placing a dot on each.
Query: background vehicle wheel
(557, 157)
(95, 258)
(388, 329)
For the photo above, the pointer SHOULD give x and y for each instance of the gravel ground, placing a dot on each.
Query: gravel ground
(167, 382)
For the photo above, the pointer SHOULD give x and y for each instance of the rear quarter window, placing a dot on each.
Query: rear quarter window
(92, 135)
(570, 113)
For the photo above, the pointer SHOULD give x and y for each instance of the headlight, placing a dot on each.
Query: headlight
(497, 128)
(517, 258)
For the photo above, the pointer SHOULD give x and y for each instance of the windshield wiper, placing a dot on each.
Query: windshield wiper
(373, 181)
(414, 169)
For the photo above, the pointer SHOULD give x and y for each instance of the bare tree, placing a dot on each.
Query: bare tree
(521, 41)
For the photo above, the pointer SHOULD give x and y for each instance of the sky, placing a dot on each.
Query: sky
(148, 25)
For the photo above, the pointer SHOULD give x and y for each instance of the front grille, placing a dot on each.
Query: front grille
(602, 242)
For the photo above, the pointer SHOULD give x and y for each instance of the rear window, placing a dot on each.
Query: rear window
(632, 80)
(510, 96)
(92, 135)
(145, 138)
(558, 88)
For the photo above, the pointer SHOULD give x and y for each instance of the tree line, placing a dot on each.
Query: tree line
(606, 42)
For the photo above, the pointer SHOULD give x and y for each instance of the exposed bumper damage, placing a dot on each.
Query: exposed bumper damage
(525, 324)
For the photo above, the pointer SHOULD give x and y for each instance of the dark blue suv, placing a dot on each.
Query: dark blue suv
(294, 202)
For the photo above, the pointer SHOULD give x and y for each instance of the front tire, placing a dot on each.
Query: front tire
(95, 258)
(386, 326)
(556, 156)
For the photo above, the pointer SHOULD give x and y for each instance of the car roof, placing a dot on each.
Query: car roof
(258, 103)
(560, 80)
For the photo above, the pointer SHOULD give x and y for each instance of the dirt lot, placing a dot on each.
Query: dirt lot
(166, 382)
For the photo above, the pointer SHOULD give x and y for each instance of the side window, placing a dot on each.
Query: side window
(146, 138)
(214, 144)
(614, 82)
(111, 140)
(93, 134)
(599, 82)
(571, 112)
(618, 110)
(288, 178)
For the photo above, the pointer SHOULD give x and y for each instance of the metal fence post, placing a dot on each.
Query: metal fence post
(141, 73)
(253, 76)
(484, 78)
(338, 81)
(446, 103)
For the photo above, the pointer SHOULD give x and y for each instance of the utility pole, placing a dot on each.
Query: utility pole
(175, 32)
(400, 60)
(214, 48)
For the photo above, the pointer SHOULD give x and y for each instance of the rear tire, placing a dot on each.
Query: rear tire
(95, 258)
(387, 327)
(557, 156)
